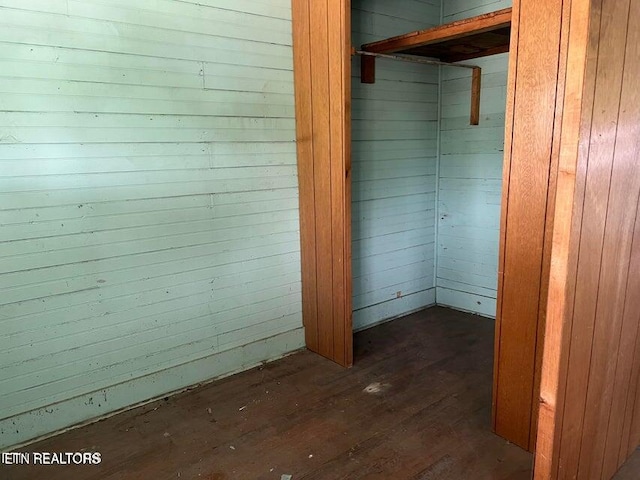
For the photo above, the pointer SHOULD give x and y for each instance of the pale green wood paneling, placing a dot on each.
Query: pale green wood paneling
(470, 176)
(148, 201)
(394, 150)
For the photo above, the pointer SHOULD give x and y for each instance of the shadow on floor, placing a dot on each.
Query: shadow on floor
(416, 405)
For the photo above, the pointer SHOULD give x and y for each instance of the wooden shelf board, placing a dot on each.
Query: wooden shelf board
(474, 37)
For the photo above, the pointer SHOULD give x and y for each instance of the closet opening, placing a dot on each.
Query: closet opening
(428, 189)
(426, 178)
(427, 152)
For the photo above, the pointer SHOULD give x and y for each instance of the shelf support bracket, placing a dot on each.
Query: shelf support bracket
(368, 69)
(476, 84)
(368, 74)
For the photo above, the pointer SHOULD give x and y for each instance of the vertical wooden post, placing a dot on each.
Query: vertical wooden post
(560, 295)
(536, 30)
(304, 144)
(322, 74)
(476, 85)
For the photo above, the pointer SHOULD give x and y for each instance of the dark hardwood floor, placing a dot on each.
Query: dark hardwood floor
(416, 405)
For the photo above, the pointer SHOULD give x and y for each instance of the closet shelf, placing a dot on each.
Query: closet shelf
(474, 37)
(480, 36)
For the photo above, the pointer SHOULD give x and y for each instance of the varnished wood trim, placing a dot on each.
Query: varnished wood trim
(304, 144)
(450, 31)
(524, 224)
(506, 174)
(548, 234)
(346, 166)
(560, 293)
(322, 83)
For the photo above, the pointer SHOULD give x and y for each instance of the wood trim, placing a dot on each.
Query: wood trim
(450, 31)
(322, 173)
(322, 86)
(524, 207)
(304, 143)
(551, 200)
(560, 292)
(337, 115)
(346, 146)
(506, 174)
(585, 64)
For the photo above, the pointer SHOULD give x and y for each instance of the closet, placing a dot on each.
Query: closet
(542, 105)
(461, 164)
(432, 196)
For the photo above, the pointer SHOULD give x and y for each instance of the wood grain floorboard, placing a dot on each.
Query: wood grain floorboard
(426, 416)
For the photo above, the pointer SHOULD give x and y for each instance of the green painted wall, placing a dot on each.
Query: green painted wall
(394, 153)
(470, 176)
(149, 209)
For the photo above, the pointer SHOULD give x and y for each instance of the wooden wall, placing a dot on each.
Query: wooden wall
(149, 205)
(590, 395)
(394, 152)
(528, 181)
(322, 59)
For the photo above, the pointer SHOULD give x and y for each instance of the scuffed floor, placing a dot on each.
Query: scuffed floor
(416, 405)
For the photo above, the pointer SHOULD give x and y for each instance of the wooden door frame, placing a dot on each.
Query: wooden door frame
(559, 301)
(322, 78)
(322, 71)
(538, 60)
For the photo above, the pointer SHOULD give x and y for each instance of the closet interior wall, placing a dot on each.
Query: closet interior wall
(470, 176)
(394, 157)
(426, 185)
